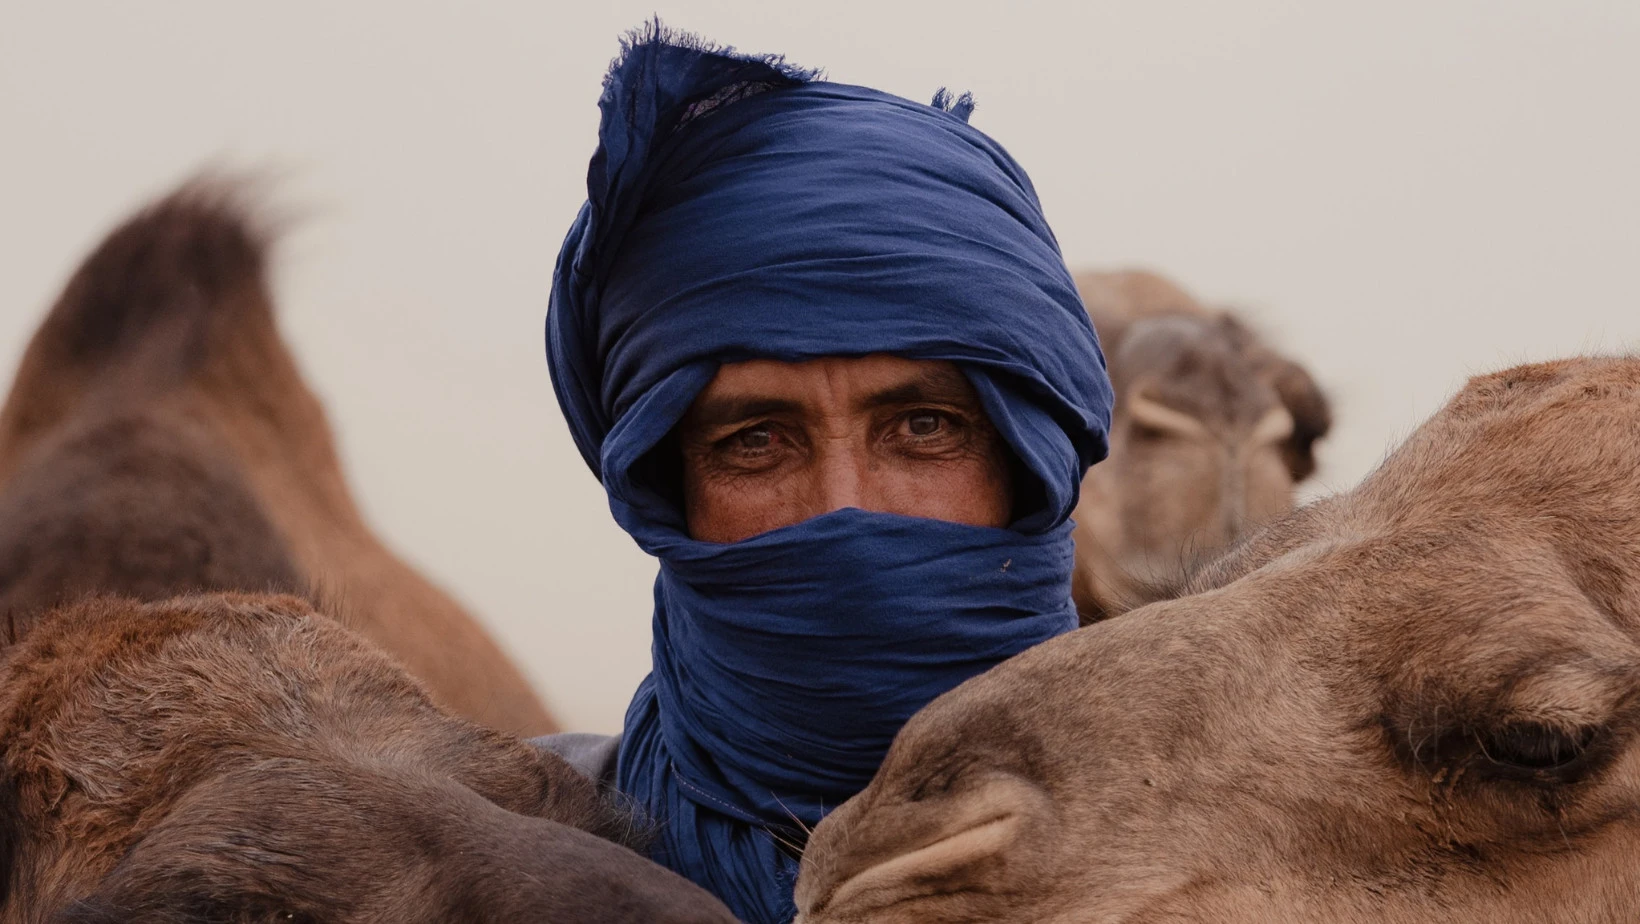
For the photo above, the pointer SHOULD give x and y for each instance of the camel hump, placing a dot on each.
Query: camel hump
(166, 283)
(176, 288)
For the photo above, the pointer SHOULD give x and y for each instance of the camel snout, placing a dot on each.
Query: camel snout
(919, 867)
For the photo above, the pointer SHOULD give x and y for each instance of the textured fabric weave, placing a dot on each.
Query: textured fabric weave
(738, 209)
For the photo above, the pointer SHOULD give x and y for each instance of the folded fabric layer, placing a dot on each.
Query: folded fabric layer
(738, 209)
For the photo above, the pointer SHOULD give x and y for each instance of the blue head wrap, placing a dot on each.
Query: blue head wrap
(738, 208)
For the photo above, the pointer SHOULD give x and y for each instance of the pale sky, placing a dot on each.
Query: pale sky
(1400, 193)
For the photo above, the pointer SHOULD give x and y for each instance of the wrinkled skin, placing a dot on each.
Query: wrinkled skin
(1211, 432)
(768, 444)
(178, 742)
(1417, 701)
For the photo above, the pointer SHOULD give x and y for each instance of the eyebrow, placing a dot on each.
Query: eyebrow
(938, 386)
(722, 412)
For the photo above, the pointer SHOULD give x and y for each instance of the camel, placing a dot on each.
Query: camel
(170, 319)
(184, 735)
(1418, 700)
(1212, 431)
(242, 758)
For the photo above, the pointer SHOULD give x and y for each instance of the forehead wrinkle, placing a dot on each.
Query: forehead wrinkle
(937, 385)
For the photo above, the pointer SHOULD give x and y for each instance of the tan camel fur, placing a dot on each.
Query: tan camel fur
(167, 330)
(1416, 701)
(238, 758)
(1211, 432)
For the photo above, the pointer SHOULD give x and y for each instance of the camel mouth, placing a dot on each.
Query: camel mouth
(919, 872)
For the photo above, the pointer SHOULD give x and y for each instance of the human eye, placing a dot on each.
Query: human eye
(924, 423)
(924, 426)
(753, 438)
(758, 445)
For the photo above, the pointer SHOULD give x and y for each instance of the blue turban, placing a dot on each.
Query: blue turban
(740, 208)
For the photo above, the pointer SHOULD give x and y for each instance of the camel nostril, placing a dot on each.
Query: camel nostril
(939, 867)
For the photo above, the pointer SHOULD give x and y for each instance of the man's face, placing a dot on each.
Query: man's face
(768, 444)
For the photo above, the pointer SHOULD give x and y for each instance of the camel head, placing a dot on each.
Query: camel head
(1211, 433)
(1416, 701)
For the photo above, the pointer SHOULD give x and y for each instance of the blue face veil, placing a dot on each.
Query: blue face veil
(738, 208)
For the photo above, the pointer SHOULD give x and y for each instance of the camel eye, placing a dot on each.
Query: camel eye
(1534, 750)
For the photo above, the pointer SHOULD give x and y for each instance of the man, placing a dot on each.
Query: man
(820, 347)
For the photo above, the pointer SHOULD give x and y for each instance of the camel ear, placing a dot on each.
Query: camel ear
(1312, 414)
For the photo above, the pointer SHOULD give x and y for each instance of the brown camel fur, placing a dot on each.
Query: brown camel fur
(165, 339)
(237, 757)
(1211, 432)
(1416, 701)
(240, 758)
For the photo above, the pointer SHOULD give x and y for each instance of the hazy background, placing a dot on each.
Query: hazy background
(1401, 193)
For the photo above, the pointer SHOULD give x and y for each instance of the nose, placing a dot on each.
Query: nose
(842, 478)
(514, 868)
(1233, 501)
(574, 876)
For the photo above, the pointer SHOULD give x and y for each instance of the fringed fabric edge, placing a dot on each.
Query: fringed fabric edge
(655, 32)
(960, 106)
